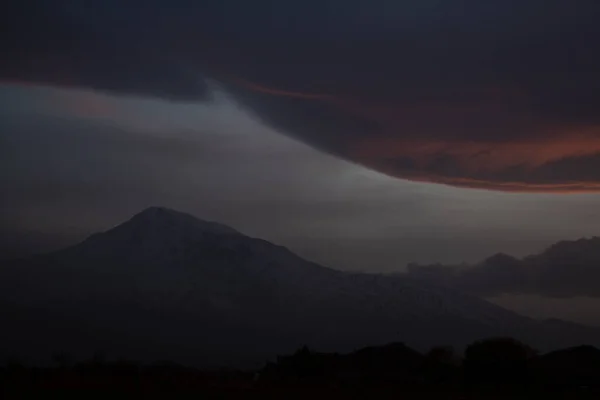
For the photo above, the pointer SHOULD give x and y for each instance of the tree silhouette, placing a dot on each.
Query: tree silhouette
(498, 362)
(503, 365)
(62, 360)
(441, 366)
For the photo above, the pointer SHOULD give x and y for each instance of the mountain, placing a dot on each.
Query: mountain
(166, 285)
(565, 269)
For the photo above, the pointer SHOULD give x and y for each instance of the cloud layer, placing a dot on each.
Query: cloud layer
(499, 94)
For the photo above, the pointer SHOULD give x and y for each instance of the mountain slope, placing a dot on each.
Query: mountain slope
(167, 285)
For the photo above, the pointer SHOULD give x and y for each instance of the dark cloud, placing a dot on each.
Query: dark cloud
(566, 269)
(61, 43)
(497, 94)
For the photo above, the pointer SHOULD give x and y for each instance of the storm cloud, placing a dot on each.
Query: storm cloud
(499, 95)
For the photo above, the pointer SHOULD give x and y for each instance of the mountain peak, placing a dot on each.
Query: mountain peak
(151, 234)
(163, 217)
(153, 210)
(501, 259)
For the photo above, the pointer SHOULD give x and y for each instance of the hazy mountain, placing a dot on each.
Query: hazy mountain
(565, 269)
(165, 285)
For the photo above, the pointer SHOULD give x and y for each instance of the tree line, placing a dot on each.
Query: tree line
(494, 366)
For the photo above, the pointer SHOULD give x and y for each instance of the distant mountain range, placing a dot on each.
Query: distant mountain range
(166, 285)
(565, 269)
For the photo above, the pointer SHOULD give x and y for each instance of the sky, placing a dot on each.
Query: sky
(362, 135)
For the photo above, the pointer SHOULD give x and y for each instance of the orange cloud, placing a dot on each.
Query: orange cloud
(505, 186)
(481, 155)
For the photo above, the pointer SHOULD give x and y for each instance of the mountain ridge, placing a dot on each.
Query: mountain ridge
(167, 281)
(568, 268)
